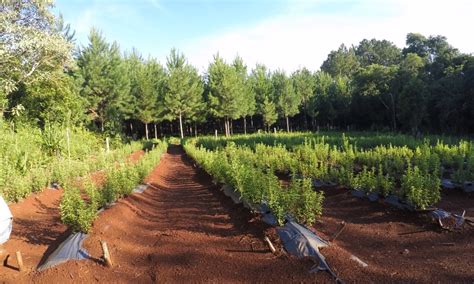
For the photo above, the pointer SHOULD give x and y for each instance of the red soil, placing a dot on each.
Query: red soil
(180, 230)
(397, 246)
(135, 157)
(37, 230)
(36, 226)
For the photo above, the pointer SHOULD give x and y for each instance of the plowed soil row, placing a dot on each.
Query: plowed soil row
(37, 230)
(183, 229)
(397, 246)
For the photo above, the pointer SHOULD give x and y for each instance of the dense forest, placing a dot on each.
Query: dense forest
(48, 79)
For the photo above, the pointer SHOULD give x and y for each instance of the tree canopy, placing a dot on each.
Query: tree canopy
(45, 78)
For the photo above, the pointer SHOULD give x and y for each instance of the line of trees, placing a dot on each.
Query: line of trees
(426, 86)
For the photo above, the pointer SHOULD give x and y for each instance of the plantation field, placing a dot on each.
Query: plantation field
(370, 196)
(260, 161)
(401, 168)
(380, 190)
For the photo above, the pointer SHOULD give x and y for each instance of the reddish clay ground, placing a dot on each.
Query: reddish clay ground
(180, 230)
(184, 230)
(37, 230)
(377, 235)
(36, 226)
(135, 157)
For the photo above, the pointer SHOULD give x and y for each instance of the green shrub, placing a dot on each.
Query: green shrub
(75, 212)
(420, 189)
(306, 204)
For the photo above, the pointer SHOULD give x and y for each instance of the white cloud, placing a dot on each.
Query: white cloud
(299, 38)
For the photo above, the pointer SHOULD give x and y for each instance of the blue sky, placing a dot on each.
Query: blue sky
(286, 34)
(156, 26)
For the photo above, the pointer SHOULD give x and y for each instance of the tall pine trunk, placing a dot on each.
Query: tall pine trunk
(102, 125)
(156, 132)
(181, 125)
(146, 130)
(226, 126)
(245, 125)
(287, 124)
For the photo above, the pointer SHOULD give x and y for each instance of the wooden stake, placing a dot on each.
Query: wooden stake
(19, 259)
(413, 232)
(107, 144)
(272, 248)
(343, 225)
(105, 250)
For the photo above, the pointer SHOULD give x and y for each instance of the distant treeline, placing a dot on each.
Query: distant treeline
(428, 86)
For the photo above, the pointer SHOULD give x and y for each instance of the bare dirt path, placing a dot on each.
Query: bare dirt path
(183, 229)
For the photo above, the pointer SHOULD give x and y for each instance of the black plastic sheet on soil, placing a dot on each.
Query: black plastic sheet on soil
(297, 239)
(444, 218)
(70, 249)
(301, 242)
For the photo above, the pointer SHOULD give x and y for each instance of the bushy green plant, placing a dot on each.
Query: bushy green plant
(75, 212)
(373, 162)
(366, 180)
(79, 212)
(306, 204)
(39, 179)
(53, 138)
(384, 182)
(420, 189)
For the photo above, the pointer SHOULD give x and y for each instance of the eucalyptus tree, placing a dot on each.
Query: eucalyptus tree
(382, 52)
(413, 92)
(373, 87)
(342, 61)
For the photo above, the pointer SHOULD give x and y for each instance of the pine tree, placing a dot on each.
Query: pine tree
(105, 82)
(150, 78)
(261, 87)
(269, 113)
(287, 100)
(249, 104)
(304, 84)
(225, 95)
(183, 89)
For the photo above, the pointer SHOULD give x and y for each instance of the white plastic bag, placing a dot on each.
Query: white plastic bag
(6, 221)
